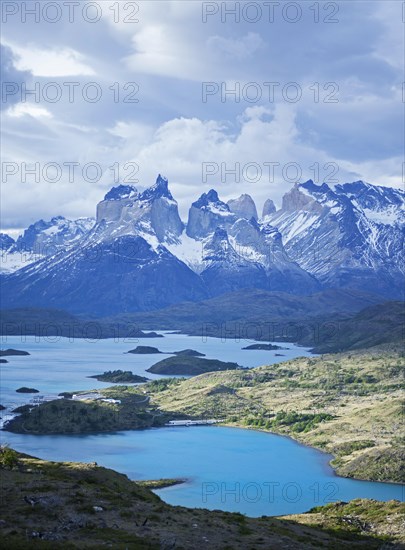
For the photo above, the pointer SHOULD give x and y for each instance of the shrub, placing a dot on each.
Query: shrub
(8, 457)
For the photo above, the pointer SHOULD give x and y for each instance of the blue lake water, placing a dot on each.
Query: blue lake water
(229, 469)
(57, 365)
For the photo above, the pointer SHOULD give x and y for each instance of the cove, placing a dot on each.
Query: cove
(230, 469)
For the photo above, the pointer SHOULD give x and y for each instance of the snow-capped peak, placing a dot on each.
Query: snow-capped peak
(121, 192)
(211, 201)
(160, 189)
(206, 214)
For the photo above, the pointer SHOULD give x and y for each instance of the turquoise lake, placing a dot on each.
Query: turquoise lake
(230, 469)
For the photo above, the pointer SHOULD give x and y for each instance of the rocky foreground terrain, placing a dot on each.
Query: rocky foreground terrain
(52, 505)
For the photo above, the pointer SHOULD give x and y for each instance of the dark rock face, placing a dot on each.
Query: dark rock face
(268, 208)
(153, 212)
(208, 213)
(243, 207)
(5, 241)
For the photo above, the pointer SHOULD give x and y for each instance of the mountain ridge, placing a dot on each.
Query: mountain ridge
(139, 255)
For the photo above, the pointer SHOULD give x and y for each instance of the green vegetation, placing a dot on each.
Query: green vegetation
(119, 377)
(348, 447)
(189, 353)
(64, 416)
(348, 404)
(162, 384)
(144, 350)
(8, 457)
(357, 517)
(186, 365)
(65, 505)
(296, 422)
(22, 409)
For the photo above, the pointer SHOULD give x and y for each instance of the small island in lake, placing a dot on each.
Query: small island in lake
(189, 353)
(182, 364)
(120, 408)
(144, 350)
(2, 407)
(6, 352)
(119, 377)
(24, 389)
(264, 347)
(3, 361)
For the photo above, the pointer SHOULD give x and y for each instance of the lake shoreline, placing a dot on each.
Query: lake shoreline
(312, 447)
(328, 457)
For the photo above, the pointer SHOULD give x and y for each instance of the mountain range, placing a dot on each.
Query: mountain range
(138, 255)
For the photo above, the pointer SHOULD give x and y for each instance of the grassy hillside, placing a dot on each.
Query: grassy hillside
(62, 505)
(347, 404)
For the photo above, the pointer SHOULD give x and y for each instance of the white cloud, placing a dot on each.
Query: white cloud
(54, 62)
(169, 53)
(180, 148)
(22, 109)
(159, 50)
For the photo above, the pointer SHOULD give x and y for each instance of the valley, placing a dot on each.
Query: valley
(290, 331)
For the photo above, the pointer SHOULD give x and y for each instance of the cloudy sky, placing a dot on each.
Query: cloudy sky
(273, 91)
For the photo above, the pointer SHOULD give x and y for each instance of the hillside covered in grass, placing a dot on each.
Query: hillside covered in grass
(347, 404)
